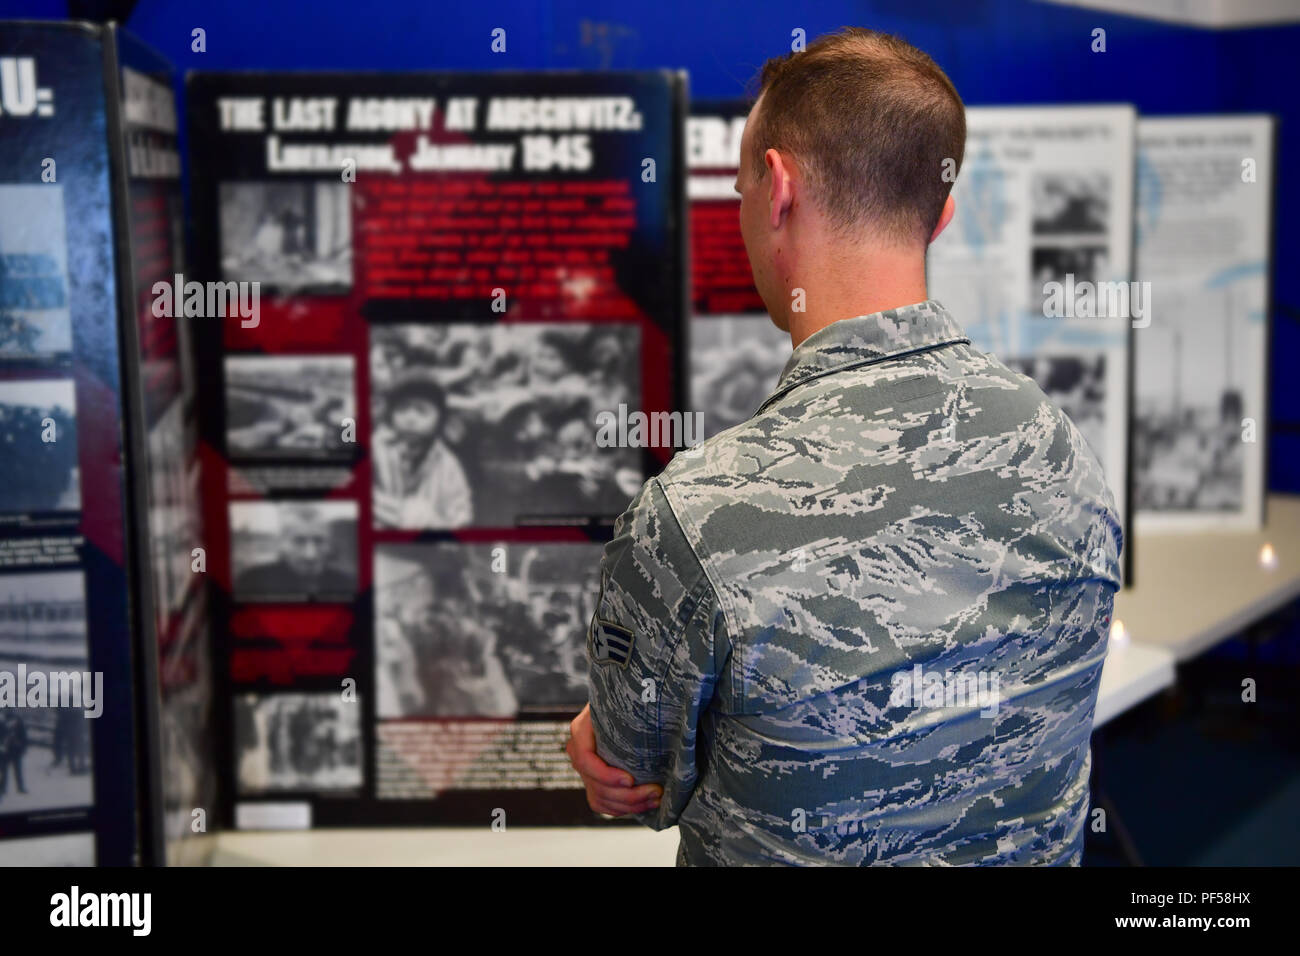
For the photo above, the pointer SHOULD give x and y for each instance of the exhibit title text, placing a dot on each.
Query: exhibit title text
(442, 136)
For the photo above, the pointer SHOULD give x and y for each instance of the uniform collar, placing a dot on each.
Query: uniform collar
(850, 343)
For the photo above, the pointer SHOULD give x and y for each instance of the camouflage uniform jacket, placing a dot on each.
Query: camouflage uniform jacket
(868, 624)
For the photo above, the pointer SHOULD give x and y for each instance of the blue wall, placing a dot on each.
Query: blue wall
(996, 51)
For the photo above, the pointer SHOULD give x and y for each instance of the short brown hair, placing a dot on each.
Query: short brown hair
(870, 120)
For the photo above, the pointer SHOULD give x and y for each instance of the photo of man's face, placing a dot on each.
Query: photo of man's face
(547, 363)
(416, 417)
(306, 546)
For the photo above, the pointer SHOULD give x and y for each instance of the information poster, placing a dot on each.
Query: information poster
(72, 674)
(164, 443)
(737, 354)
(439, 288)
(1036, 265)
(1204, 196)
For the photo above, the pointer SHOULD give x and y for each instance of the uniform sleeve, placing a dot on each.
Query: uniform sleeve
(655, 647)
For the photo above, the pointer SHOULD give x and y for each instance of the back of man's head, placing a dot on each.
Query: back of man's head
(876, 128)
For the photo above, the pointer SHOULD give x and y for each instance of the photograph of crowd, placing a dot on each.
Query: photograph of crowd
(289, 406)
(490, 426)
(290, 236)
(736, 361)
(39, 468)
(482, 630)
(297, 742)
(45, 752)
(34, 315)
(293, 550)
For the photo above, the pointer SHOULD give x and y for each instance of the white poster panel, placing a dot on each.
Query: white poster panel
(1036, 264)
(1204, 199)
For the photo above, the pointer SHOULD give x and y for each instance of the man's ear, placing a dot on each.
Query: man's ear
(780, 195)
(945, 217)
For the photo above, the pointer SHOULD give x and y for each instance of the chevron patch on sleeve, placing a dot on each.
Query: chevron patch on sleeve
(609, 643)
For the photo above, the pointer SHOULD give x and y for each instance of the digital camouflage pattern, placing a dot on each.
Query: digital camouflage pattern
(803, 592)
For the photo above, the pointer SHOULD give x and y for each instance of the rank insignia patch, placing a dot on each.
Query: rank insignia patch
(610, 644)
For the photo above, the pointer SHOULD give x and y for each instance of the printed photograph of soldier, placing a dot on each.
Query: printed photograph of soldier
(289, 406)
(294, 550)
(297, 742)
(291, 237)
(1077, 383)
(45, 752)
(482, 630)
(491, 426)
(39, 470)
(736, 361)
(35, 322)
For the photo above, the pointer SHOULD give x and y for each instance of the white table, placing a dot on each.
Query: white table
(1195, 590)
(451, 846)
(1131, 674)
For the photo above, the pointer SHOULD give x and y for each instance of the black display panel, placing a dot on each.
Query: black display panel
(437, 287)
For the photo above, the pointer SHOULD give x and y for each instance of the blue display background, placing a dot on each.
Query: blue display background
(996, 51)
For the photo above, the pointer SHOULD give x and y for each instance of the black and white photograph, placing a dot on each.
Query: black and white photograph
(39, 469)
(1071, 203)
(290, 406)
(1086, 262)
(175, 526)
(185, 725)
(736, 362)
(34, 315)
(492, 426)
(63, 849)
(1077, 383)
(290, 236)
(290, 551)
(297, 742)
(45, 751)
(1193, 376)
(482, 630)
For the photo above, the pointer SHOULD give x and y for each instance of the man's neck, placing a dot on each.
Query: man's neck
(862, 286)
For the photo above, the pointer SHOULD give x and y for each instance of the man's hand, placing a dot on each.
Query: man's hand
(609, 790)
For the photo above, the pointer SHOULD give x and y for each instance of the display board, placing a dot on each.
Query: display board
(85, 194)
(444, 283)
(737, 353)
(1036, 265)
(180, 747)
(1204, 207)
